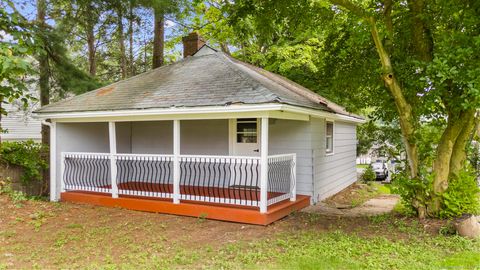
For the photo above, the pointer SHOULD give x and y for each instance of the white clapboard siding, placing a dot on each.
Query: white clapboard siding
(332, 173)
(19, 124)
(288, 136)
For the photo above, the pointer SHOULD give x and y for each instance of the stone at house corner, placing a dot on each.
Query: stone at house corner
(468, 227)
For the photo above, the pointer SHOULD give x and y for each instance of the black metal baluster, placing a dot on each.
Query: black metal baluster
(222, 184)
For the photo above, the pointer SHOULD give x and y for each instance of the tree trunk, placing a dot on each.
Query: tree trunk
(407, 120)
(224, 48)
(44, 85)
(403, 107)
(130, 37)
(477, 125)
(421, 38)
(121, 41)
(445, 149)
(43, 70)
(90, 25)
(459, 153)
(145, 64)
(158, 39)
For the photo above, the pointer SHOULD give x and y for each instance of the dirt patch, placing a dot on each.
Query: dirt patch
(355, 195)
(376, 206)
(357, 200)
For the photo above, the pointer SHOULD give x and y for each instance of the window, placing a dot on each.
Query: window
(247, 130)
(329, 138)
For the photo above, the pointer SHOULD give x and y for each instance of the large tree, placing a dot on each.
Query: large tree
(413, 61)
(160, 8)
(436, 63)
(43, 67)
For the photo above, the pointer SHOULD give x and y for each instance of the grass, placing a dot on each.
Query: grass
(82, 236)
(362, 166)
(311, 250)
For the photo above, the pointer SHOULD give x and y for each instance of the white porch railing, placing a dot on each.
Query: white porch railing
(282, 177)
(232, 180)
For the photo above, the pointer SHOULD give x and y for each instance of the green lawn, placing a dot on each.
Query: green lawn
(362, 166)
(314, 250)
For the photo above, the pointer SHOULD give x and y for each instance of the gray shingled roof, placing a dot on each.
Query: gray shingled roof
(205, 79)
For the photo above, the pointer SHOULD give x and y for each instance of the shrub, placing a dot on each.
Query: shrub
(462, 196)
(368, 175)
(415, 193)
(29, 155)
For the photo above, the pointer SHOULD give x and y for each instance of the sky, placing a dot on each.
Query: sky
(28, 9)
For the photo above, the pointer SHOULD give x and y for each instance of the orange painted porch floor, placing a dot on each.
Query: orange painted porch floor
(252, 194)
(225, 212)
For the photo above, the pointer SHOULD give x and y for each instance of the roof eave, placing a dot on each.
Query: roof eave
(190, 112)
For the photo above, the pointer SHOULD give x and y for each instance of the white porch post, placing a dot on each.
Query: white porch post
(113, 163)
(176, 161)
(264, 165)
(54, 191)
(294, 179)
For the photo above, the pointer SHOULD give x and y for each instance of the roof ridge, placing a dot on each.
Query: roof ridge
(231, 60)
(241, 74)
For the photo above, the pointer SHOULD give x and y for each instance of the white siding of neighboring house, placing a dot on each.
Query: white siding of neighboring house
(20, 124)
(334, 172)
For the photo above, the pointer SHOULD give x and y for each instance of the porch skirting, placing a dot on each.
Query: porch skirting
(224, 212)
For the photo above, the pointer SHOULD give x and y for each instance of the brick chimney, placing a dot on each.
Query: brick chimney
(192, 43)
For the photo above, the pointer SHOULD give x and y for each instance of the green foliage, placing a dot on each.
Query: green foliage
(16, 43)
(386, 136)
(414, 192)
(368, 175)
(29, 155)
(16, 196)
(462, 196)
(473, 155)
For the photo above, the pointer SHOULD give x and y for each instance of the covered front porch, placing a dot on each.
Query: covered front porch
(215, 168)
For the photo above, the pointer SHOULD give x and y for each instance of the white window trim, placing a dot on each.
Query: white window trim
(333, 137)
(232, 134)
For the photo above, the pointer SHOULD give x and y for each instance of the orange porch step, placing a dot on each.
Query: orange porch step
(250, 215)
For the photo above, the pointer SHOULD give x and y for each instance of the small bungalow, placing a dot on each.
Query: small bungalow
(206, 136)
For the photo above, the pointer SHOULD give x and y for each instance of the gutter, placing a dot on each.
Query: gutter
(178, 113)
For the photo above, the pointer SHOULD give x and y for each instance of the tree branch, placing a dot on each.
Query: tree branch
(357, 10)
(407, 121)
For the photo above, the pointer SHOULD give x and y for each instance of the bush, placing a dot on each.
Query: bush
(368, 175)
(461, 197)
(29, 155)
(415, 193)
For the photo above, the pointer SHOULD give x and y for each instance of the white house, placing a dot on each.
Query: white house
(206, 136)
(19, 123)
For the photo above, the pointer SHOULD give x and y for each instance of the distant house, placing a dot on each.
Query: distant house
(20, 124)
(206, 136)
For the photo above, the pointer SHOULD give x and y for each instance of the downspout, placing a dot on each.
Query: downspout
(54, 194)
(44, 122)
